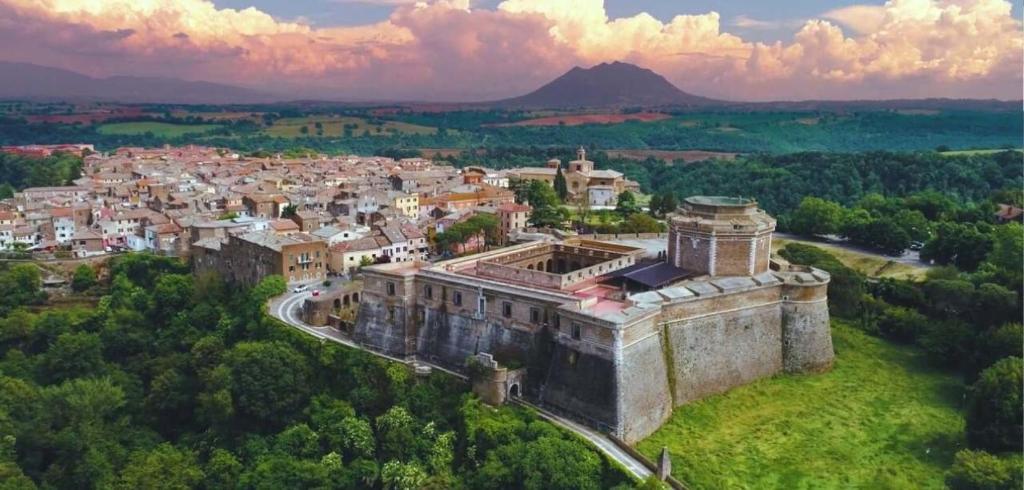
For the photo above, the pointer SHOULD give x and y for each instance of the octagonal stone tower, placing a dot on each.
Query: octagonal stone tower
(721, 236)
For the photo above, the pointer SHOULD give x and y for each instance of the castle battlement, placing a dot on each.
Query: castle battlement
(603, 336)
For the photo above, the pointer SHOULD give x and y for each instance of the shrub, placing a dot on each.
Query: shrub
(978, 470)
(994, 410)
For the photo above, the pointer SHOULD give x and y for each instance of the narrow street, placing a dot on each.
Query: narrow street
(286, 308)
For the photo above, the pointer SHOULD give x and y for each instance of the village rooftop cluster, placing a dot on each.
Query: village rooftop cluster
(249, 217)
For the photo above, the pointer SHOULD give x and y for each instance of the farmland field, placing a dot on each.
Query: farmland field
(578, 119)
(335, 126)
(159, 129)
(882, 418)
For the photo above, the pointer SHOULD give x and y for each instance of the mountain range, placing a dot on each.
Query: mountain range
(614, 84)
(28, 81)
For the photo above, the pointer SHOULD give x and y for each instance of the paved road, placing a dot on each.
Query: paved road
(286, 306)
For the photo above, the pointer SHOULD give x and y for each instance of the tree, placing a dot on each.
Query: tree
(1007, 253)
(396, 432)
(994, 407)
(654, 207)
(902, 324)
(222, 470)
(74, 355)
(978, 470)
(164, 467)
(396, 475)
(561, 187)
(816, 217)
(547, 208)
(84, 278)
(289, 211)
(269, 381)
(641, 223)
(626, 204)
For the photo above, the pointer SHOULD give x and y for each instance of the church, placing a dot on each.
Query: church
(600, 188)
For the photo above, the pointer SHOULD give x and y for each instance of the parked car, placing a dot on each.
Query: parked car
(301, 289)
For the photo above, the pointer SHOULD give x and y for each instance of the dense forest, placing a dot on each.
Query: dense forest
(175, 381)
(18, 172)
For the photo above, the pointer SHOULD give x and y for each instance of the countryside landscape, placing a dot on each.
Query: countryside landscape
(589, 244)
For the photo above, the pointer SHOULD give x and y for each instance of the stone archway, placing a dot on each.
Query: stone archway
(513, 391)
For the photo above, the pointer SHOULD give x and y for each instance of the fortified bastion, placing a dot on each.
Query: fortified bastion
(592, 332)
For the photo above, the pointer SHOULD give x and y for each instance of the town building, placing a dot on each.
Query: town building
(248, 258)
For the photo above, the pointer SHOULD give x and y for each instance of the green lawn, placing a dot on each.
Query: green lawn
(165, 130)
(882, 418)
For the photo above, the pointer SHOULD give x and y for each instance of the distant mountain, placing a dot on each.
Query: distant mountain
(606, 85)
(28, 81)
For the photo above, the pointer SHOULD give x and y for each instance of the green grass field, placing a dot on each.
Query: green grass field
(334, 126)
(882, 418)
(165, 130)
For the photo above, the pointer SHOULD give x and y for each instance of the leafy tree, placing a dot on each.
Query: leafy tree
(544, 463)
(1002, 342)
(964, 245)
(397, 434)
(164, 467)
(1007, 253)
(289, 211)
(84, 278)
(994, 407)
(396, 475)
(561, 188)
(626, 204)
(994, 304)
(298, 440)
(269, 380)
(978, 470)
(222, 470)
(815, 217)
(902, 324)
(74, 355)
(641, 223)
(547, 208)
(283, 471)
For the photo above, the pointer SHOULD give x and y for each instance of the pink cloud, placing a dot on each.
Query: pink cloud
(445, 50)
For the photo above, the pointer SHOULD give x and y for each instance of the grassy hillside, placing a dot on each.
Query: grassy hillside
(880, 419)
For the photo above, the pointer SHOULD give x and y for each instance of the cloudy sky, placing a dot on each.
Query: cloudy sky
(458, 50)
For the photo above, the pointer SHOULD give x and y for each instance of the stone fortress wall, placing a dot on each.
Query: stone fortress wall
(617, 361)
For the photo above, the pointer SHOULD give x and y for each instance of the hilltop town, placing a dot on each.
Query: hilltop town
(336, 213)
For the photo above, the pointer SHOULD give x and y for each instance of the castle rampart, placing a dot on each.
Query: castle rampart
(590, 347)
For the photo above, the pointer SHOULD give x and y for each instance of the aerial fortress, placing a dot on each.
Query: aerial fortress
(592, 330)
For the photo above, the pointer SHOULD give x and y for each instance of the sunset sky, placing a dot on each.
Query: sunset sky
(456, 50)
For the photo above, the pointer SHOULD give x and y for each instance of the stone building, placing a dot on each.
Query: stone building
(246, 259)
(609, 340)
(598, 187)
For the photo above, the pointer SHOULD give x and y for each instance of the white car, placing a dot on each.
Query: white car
(301, 289)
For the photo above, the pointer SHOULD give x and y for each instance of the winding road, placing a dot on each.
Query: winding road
(286, 306)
